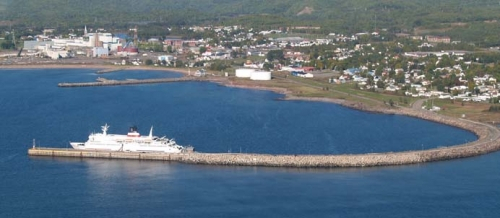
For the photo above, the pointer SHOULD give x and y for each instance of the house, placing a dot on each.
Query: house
(402, 35)
(352, 71)
(175, 43)
(392, 88)
(153, 40)
(48, 31)
(438, 39)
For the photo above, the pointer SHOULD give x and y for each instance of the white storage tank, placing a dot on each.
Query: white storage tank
(261, 75)
(244, 72)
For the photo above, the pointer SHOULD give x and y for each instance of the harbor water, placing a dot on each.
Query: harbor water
(219, 119)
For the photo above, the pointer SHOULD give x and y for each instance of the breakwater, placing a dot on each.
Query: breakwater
(104, 82)
(488, 141)
(109, 70)
(307, 161)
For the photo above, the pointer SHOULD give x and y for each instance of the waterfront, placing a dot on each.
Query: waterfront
(83, 188)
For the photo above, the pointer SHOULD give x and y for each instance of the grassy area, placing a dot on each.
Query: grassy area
(359, 95)
(317, 88)
(308, 88)
(379, 96)
(471, 110)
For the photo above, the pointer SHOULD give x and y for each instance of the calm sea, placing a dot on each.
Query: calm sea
(213, 118)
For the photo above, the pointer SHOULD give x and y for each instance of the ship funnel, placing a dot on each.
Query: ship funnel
(151, 132)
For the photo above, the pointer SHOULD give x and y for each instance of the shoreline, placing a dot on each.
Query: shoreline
(420, 114)
(488, 136)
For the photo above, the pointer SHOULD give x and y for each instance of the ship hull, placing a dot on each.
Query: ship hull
(125, 147)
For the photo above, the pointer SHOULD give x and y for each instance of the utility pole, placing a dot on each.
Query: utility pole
(13, 39)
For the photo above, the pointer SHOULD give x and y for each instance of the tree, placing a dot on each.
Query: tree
(179, 63)
(218, 66)
(268, 66)
(391, 102)
(471, 86)
(319, 64)
(477, 91)
(203, 49)
(7, 45)
(149, 62)
(380, 84)
(379, 70)
(275, 55)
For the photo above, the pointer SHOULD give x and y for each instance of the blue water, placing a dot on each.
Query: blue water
(219, 119)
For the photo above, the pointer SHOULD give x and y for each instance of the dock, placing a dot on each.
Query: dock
(130, 82)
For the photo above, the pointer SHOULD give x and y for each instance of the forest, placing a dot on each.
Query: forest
(460, 19)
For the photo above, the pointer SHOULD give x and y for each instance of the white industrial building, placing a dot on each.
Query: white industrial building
(244, 72)
(261, 75)
(54, 53)
(100, 52)
(253, 74)
(34, 46)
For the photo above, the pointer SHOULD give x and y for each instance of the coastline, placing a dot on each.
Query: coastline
(421, 114)
(488, 140)
(488, 135)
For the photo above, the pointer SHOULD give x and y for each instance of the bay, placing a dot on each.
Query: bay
(213, 118)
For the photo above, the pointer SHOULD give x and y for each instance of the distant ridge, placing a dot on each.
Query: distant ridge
(352, 15)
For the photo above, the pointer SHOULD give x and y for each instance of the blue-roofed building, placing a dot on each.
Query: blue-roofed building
(352, 71)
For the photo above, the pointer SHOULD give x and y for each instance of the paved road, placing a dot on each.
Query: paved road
(417, 105)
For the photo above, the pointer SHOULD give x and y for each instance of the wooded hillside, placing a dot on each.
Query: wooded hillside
(331, 15)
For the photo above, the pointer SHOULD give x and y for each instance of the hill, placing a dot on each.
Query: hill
(331, 15)
(402, 13)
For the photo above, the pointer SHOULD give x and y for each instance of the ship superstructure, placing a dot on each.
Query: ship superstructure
(132, 142)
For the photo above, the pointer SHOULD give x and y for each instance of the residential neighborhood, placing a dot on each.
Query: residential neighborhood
(402, 64)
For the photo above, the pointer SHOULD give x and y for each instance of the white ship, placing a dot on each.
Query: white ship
(132, 142)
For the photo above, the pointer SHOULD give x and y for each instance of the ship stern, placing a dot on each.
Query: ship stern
(77, 145)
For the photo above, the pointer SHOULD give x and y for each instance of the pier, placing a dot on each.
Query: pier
(301, 161)
(488, 141)
(105, 82)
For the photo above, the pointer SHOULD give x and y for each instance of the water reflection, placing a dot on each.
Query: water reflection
(129, 171)
(104, 169)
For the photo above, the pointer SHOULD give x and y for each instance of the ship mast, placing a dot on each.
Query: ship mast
(151, 132)
(105, 129)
